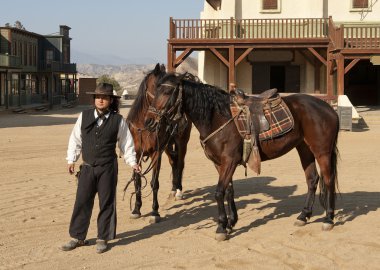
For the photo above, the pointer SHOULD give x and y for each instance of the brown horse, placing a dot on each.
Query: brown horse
(314, 135)
(148, 145)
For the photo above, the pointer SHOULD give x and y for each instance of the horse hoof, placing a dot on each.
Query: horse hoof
(299, 223)
(220, 237)
(154, 219)
(134, 216)
(229, 230)
(178, 195)
(327, 226)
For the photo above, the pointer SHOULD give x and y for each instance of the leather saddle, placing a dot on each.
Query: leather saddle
(257, 118)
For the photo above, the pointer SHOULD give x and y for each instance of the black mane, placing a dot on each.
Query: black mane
(201, 99)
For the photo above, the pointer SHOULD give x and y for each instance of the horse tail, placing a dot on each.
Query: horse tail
(334, 186)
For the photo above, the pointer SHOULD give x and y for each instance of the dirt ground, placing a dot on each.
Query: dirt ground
(37, 197)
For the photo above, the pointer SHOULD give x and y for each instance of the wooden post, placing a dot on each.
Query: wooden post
(231, 66)
(340, 74)
(170, 65)
(329, 73)
(317, 76)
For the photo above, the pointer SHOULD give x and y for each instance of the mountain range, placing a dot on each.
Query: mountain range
(129, 76)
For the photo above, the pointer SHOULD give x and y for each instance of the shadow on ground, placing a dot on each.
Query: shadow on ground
(200, 206)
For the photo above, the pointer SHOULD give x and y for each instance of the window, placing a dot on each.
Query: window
(49, 56)
(270, 6)
(360, 4)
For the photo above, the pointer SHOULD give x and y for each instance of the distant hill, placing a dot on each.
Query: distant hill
(130, 76)
(107, 59)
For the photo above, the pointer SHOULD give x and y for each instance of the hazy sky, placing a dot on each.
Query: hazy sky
(124, 28)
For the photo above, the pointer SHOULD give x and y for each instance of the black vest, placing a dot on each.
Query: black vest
(99, 143)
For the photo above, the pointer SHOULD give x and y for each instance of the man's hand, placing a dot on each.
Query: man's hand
(136, 168)
(71, 168)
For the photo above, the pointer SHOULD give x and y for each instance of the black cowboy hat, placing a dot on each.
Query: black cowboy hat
(104, 89)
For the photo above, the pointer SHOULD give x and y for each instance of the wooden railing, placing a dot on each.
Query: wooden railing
(341, 37)
(362, 37)
(58, 66)
(248, 28)
(10, 60)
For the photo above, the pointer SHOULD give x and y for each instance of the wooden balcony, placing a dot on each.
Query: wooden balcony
(10, 61)
(274, 31)
(248, 30)
(55, 66)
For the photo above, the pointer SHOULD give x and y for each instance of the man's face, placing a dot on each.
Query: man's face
(102, 102)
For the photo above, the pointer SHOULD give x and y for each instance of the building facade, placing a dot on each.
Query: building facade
(35, 69)
(319, 47)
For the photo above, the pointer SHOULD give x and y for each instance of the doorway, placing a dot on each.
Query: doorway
(277, 78)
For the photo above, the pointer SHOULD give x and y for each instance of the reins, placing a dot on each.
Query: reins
(160, 149)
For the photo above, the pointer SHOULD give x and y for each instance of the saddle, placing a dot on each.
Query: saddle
(259, 118)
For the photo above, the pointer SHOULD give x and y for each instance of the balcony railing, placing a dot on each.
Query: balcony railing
(10, 61)
(58, 67)
(248, 28)
(275, 30)
(362, 37)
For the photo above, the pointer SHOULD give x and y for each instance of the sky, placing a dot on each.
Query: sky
(134, 30)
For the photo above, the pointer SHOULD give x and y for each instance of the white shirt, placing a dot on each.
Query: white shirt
(124, 138)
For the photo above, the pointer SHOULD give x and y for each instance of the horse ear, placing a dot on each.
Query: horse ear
(163, 69)
(157, 69)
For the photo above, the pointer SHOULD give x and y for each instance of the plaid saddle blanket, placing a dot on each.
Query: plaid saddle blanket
(275, 121)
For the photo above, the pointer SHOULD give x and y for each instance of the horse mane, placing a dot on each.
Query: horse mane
(205, 99)
(139, 104)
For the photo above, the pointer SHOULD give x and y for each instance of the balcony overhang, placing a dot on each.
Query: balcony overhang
(216, 4)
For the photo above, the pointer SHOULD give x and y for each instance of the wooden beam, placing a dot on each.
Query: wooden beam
(231, 67)
(218, 55)
(329, 76)
(340, 74)
(313, 51)
(351, 65)
(182, 57)
(241, 57)
(171, 56)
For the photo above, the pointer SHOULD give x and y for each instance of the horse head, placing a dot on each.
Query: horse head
(167, 103)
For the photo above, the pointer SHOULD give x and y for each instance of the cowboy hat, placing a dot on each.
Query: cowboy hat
(104, 89)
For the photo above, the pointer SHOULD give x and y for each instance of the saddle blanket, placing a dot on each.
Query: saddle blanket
(279, 118)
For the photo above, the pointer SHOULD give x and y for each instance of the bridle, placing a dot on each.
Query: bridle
(171, 113)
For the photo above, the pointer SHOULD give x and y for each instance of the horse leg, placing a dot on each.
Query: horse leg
(177, 181)
(155, 185)
(327, 187)
(226, 172)
(312, 178)
(138, 203)
(232, 215)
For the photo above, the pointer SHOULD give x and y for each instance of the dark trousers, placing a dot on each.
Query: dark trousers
(92, 180)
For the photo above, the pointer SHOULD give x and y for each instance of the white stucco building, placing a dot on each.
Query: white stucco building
(312, 46)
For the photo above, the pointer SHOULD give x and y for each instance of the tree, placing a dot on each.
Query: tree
(108, 79)
(7, 24)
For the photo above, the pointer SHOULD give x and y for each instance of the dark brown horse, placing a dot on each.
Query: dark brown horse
(314, 135)
(148, 145)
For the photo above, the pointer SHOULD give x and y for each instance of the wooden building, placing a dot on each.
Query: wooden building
(35, 69)
(319, 47)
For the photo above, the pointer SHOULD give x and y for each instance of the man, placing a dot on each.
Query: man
(95, 135)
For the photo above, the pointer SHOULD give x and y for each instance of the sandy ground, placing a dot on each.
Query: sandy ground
(37, 197)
